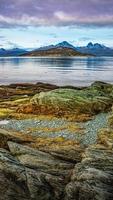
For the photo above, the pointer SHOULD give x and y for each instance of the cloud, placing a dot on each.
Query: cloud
(12, 45)
(74, 19)
(53, 35)
(25, 13)
(62, 16)
(86, 39)
(2, 37)
(24, 20)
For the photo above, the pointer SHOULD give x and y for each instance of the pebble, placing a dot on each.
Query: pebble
(89, 137)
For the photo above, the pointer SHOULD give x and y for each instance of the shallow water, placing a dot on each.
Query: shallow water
(75, 71)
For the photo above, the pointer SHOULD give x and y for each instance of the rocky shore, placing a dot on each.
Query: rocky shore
(56, 143)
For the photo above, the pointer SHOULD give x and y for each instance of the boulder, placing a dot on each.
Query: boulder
(39, 160)
(29, 174)
(93, 177)
(47, 174)
(106, 88)
(69, 102)
(105, 137)
(13, 183)
(6, 135)
(60, 147)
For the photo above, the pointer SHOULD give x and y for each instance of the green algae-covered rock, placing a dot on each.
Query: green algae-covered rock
(110, 121)
(89, 100)
(105, 88)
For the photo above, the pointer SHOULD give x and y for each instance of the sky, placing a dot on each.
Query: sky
(35, 23)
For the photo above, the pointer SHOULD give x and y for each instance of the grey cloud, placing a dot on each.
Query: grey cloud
(24, 13)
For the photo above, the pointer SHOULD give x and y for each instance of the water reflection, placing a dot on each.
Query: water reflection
(97, 63)
(74, 71)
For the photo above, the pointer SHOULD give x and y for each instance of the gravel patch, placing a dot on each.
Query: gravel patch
(92, 127)
(88, 137)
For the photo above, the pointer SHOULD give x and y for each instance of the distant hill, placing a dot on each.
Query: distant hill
(65, 44)
(55, 51)
(12, 52)
(96, 49)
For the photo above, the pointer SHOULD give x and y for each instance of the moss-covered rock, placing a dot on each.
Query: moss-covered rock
(68, 101)
(62, 101)
(110, 121)
(106, 88)
(105, 135)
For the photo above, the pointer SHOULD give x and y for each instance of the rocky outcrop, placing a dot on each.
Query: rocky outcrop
(33, 168)
(32, 174)
(13, 182)
(46, 174)
(29, 174)
(63, 101)
(19, 100)
(65, 149)
(59, 170)
(93, 177)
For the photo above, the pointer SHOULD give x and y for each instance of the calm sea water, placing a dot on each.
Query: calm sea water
(61, 71)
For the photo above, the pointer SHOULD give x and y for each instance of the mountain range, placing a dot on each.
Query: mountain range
(12, 52)
(61, 49)
(96, 49)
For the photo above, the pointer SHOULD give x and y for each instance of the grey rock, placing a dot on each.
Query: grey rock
(92, 179)
(46, 174)
(12, 178)
(30, 174)
(34, 158)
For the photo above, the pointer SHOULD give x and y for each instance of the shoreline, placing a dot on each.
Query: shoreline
(36, 83)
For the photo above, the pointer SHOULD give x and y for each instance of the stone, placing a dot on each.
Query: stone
(29, 174)
(93, 177)
(12, 178)
(6, 135)
(39, 160)
(47, 174)
(65, 101)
